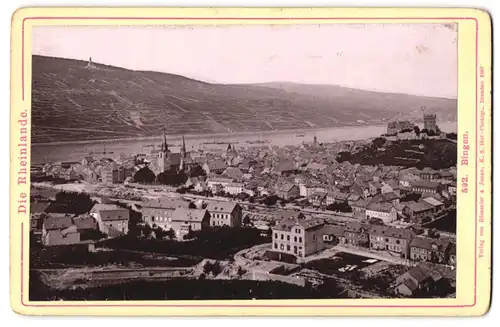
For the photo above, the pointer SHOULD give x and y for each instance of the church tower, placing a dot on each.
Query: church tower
(183, 149)
(163, 160)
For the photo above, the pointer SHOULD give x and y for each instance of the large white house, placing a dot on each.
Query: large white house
(385, 211)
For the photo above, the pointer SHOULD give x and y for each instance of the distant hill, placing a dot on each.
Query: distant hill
(74, 101)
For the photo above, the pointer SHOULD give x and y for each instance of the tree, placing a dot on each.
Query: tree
(146, 231)
(452, 136)
(172, 178)
(144, 176)
(431, 133)
(246, 220)
(207, 268)
(241, 271)
(170, 234)
(379, 142)
(270, 200)
(344, 156)
(216, 268)
(159, 233)
(417, 130)
(192, 205)
(73, 202)
(376, 221)
(196, 171)
(410, 197)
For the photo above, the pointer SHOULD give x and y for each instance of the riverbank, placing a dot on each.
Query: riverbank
(75, 151)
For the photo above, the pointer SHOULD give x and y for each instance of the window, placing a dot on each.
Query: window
(288, 237)
(300, 239)
(387, 240)
(282, 237)
(314, 237)
(397, 242)
(275, 245)
(275, 235)
(288, 247)
(282, 247)
(295, 238)
(295, 249)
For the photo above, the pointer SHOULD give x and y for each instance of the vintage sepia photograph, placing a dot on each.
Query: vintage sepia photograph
(240, 162)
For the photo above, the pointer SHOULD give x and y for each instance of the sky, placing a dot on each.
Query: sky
(416, 59)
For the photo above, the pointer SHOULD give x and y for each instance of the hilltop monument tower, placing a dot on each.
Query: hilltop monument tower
(90, 64)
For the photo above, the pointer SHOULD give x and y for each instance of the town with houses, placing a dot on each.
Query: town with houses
(292, 215)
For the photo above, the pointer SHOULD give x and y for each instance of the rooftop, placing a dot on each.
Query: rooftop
(189, 215)
(221, 206)
(52, 223)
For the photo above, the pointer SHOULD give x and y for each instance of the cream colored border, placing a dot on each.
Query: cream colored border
(473, 286)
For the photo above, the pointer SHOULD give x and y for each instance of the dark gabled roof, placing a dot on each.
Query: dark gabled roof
(424, 184)
(86, 222)
(376, 184)
(286, 214)
(189, 215)
(287, 187)
(39, 207)
(310, 223)
(334, 230)
(390, 196)
(427, 242)
(216, 164)
(287, 224)
(356, 227)
(432, 201)
(285, 166)
(221, 206)
(388, 231)
(420, 273)
(380, 207)
(110, 212)
(410, 285)
(453, 248)
(419, 206)
(175, 158)
(165, 203)
(51, 223)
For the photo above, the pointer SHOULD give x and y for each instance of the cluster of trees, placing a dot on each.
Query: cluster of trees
(184, 289)
(339, 207)
(159, 233)
(213, 268)
(439, 154)
(72, 202)
(410, 196)
(146, 176)
(218, 243)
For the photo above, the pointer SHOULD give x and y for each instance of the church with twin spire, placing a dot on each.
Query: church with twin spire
(172, 162)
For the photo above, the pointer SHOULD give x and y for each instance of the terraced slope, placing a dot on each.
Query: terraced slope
(72, 101)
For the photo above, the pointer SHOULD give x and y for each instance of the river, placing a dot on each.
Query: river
(75, 151)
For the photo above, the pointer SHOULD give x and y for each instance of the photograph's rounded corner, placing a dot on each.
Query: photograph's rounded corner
(482, 15)
(19, 308)
(483, 307)
(19, 15)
